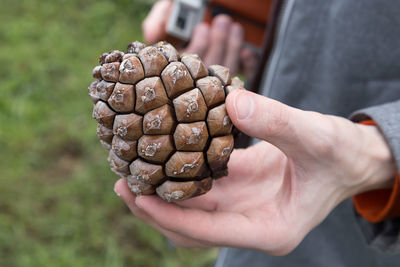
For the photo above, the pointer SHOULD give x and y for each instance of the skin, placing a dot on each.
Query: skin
(278, 190)
(219, 43)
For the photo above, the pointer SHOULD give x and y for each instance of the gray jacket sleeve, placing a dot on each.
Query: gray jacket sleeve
(384, 236)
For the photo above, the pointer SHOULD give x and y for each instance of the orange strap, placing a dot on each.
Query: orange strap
(379, 205)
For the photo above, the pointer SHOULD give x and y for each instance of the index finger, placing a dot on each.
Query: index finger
(217, 228)
(154, 24)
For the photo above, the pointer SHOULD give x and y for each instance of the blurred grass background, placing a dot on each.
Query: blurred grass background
(57, 205)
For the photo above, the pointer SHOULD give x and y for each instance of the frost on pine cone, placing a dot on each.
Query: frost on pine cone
(162, 117)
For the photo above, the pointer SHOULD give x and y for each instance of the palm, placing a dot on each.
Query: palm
(263, 170)
(240, 190)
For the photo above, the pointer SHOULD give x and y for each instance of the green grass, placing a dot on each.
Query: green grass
(57, 206)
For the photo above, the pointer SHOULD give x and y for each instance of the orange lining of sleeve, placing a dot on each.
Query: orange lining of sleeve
(379, 205)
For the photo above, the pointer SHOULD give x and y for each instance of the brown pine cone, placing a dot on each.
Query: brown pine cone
(163, 118)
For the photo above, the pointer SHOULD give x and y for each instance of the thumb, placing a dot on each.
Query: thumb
(266, 119)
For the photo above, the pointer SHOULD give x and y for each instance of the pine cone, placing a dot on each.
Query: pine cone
(163, 119)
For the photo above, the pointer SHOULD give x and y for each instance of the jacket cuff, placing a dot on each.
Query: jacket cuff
(385, 235)
(378, 205)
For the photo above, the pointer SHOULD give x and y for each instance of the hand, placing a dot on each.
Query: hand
(278, 190)
(219, 43)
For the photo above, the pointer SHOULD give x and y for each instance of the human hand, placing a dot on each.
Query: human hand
(278, 190)
(219, 43)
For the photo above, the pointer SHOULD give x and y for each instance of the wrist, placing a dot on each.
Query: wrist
(379, 164)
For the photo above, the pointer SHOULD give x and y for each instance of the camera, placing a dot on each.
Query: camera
(185, 15)
(251, 14)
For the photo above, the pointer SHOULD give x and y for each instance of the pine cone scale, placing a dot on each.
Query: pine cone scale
(163, 118)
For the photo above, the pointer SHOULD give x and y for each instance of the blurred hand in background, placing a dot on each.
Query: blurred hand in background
(219, 43)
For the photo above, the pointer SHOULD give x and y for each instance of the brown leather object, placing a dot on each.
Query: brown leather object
(253, 15)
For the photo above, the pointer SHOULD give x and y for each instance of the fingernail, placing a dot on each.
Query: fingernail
(244, 106)
(116, 192)
(223, 24)
(237, 30)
